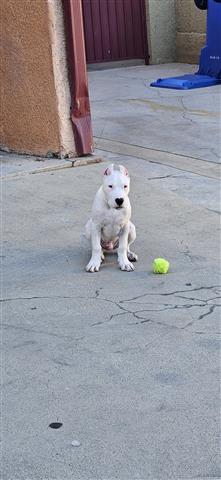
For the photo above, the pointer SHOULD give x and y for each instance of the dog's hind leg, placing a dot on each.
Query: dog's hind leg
(133, 257)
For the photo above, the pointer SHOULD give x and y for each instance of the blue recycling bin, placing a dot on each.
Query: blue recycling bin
(209, 72)
(210, 57)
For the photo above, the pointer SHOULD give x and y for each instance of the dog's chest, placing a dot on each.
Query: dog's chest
(112, 224)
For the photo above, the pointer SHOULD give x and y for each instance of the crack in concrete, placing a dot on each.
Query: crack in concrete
(165, 294)
(170, 307)
(211, 310)
(166, 306)
(109, 319)
(200, 303)
(38, 298)
(166, 176)
(214, 211)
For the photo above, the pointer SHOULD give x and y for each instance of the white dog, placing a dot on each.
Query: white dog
(109, 227)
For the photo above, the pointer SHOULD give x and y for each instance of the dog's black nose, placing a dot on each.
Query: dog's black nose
(119, 201)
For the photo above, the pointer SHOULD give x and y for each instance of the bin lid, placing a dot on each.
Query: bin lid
(186, 82)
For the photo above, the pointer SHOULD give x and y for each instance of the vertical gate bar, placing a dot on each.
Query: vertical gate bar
(129, 28)
(95, 9)
(113, 30)
(144, 31)
(88, 30)
(137, 24)
(105, 30)
(121, 29)
(80, 105)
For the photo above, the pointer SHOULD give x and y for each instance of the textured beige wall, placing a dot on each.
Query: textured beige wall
(31, 117)
(176, 31)
(191, 31)
(161, 30)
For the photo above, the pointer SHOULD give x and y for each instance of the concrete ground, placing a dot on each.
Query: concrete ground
(128, 110)
(128, 363)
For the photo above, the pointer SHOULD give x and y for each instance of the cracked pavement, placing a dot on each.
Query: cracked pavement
(129, 363)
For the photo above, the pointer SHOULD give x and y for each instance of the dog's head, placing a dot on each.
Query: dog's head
(116, 186)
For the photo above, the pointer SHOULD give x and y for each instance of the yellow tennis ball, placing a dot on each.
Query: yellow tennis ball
(160, 265)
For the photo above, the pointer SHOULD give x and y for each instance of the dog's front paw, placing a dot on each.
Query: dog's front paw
(93, 266)
(126, 266)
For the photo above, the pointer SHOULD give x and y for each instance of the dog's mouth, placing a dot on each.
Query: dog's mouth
(115, 207)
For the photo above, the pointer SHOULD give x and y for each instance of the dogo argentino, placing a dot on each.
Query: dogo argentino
(109, 227)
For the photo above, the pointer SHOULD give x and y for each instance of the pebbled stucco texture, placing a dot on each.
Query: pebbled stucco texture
(30, 107)
(176, 31)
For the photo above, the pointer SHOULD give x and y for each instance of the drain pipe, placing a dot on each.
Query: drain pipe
(80, 104)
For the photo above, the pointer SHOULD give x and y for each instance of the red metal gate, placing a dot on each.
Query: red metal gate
(115, 30)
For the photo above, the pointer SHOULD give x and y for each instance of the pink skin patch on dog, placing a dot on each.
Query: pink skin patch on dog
(111, 245)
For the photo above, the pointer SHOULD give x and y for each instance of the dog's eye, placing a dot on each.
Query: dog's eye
(125, 186)
(110, 186)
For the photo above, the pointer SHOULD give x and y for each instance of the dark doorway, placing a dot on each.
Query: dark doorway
(115, 30)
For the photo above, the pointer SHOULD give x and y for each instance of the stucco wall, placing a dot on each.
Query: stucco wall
(31, 116)
(191, 31)
(161, 30)
(176, 31)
